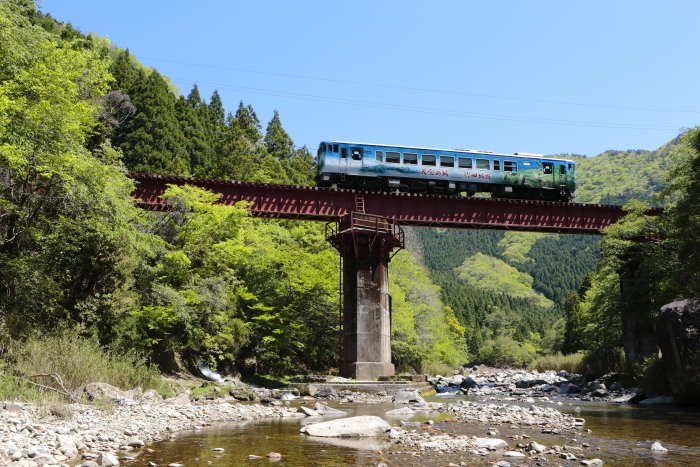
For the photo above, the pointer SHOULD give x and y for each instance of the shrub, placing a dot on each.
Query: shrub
(573, 363)
(78, 361)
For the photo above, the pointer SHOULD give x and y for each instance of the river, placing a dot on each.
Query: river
(621, 437)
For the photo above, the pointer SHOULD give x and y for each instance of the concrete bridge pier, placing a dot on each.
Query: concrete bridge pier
(365, 243)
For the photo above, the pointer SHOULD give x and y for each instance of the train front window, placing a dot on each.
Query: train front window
(483, 164)
(380, 156)
(409, 158)
(464, 162)
(393, 157)
(321, 149)
(428, 159)
(510, 166)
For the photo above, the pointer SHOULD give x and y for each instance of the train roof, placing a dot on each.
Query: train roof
(466, 151)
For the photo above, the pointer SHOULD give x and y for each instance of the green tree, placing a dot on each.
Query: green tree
(152, 140)
(67, 242)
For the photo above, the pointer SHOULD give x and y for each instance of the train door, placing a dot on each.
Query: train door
(547, 175)
(343, 162)
(560, 175)
(355, 160)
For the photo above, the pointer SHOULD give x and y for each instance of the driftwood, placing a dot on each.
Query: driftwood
(57, 378)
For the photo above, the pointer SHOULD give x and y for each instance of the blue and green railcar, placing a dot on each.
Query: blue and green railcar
(378, 167)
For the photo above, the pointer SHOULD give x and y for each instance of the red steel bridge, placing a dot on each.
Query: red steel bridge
(407, 209)
(365, 228)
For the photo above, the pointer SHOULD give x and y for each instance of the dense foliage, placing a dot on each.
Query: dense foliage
(202, 281)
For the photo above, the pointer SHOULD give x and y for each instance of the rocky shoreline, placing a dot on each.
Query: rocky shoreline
(124, 423)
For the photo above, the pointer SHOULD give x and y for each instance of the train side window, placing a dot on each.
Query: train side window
(483, 164)
(428, 159)
(356, 154)
(464, 162)
(344, 153)
(510, 166)
(547, 170)
(380, 156)
(562, 169)
(335, 148)
(496, 165)
(393, 157)
(447, 161)
(410, 158)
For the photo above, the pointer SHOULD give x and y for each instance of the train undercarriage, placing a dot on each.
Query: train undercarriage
(443, 187)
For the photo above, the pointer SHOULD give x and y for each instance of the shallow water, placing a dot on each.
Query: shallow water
(621, 436)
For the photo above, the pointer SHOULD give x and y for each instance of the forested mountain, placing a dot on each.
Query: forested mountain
(480, 272)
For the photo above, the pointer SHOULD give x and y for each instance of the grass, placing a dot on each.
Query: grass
(265, 381)
(573, 363)
(78, 361)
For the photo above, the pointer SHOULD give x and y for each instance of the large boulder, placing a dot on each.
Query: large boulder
(678, 338)
(103, 391)
(352, 427)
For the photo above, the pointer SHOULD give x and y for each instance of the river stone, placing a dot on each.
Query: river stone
(106, 459)
(678, 338)
(67, 446)
(325, 410)
(661, 400)
(243, 393)
(326, 392)
(399, 412)
(490, 443)
(567, 456)
(537, 447)
(134, 442)
(352, 427)
(45, 459)
(102, 391)
(407, 396)
(656, 447)
(513, 454)
(308, 412)
(592, 462)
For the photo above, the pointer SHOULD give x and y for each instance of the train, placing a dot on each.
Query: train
(453, 172)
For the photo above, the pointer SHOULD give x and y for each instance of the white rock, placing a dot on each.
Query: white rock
(308, 412)
(403, 411)
(490, 443)
(352, 427)
(513, 454)
(656, 447)
(106, 459)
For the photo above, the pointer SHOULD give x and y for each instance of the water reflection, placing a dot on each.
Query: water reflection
(622, 436)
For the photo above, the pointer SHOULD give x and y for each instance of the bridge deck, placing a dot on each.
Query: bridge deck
(328, 204)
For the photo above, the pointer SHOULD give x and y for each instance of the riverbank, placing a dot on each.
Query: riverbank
(121, 425)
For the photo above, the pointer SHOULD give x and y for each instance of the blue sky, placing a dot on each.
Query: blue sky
(543, 77)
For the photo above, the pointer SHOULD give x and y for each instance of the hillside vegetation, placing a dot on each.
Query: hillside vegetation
(483, 272)
(200, 281)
